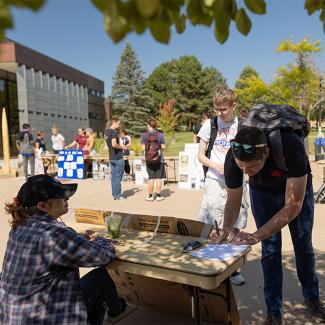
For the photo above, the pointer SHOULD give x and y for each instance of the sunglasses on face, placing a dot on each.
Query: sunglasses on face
(247, 148)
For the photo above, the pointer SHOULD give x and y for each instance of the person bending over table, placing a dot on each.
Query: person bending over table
(40, 282)
(278, 198)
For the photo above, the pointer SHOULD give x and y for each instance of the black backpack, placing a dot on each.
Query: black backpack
(152, 149)
(213, 135)
(274, 118)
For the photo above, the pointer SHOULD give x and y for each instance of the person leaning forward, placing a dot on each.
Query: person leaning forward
(278, 198)
(40, 282)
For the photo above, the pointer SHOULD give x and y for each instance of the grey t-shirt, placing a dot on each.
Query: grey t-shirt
(114, 154)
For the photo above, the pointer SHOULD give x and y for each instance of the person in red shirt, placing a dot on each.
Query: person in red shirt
(79, 141)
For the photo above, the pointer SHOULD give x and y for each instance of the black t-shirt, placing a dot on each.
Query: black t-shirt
(41, 143)
(271, 177)
(114, 154)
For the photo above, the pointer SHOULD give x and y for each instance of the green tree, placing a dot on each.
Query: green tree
(129, 95)
(189, 83)
(122, 17)
(252, 90)
(247, 72)
(298, 82)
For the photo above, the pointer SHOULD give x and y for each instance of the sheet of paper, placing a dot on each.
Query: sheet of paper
(221, 253)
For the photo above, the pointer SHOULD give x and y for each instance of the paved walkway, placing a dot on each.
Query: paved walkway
(185, 204)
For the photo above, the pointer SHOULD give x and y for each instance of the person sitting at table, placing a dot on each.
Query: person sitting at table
(40, 282)
(79, 141)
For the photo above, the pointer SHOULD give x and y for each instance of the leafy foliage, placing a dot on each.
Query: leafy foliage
(167, 118)
(122, 17)
(188, 82)
(129, 94)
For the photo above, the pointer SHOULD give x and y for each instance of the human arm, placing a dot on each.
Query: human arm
(231, 212)
(205, 160)
(72, 144)
(294, 198)
(115, 145)
(68, 248)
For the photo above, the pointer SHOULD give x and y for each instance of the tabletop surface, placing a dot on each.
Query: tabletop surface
(162, 251)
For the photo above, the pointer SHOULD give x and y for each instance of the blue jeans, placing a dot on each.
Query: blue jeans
(99, 293)
(264, 207)
(117, 169)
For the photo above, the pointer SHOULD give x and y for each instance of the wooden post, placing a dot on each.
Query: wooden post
(7, 170)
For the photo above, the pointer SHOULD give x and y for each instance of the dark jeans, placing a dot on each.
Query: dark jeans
(31, 159)
(264, 207)
(117, 169)
(99, 294)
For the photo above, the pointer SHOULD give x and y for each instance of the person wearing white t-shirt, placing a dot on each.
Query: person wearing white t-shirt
(215, 192)
(57, 140)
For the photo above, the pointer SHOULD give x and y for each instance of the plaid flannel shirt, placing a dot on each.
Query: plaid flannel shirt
(39, 283)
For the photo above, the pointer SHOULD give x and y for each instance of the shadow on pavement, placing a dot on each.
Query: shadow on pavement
(166, 192)
(131, 191)
(250, 297)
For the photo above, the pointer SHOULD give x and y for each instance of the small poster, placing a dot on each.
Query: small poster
(71, 164)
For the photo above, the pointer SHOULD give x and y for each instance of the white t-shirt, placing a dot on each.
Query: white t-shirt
(226, 132)
(57, 141)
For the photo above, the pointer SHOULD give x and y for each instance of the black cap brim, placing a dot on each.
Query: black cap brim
(66, 191)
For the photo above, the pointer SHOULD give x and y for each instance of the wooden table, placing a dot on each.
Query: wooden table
(159, 258)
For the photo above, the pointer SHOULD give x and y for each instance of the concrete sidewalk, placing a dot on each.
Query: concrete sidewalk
(185, 204)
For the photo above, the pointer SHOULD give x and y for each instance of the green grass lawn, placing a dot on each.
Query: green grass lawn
(173, 148)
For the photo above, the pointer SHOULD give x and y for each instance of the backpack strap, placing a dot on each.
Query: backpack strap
(277, 148)
(213, 135)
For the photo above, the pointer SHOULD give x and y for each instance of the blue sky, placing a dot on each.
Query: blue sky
(72, 31)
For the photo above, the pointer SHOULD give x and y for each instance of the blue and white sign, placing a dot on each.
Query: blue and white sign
(71, 164)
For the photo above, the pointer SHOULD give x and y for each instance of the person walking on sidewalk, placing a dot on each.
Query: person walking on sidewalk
(152, 143)
(25, 144)
(116, 161)
(215, 192)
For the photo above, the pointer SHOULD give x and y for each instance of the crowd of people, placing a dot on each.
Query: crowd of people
(32, 149)
(234, 154)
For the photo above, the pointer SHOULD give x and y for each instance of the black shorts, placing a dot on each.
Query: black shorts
(156, 171)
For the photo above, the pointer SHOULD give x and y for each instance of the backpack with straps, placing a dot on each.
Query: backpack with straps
(272, 119)
(152, 148)
(213, 135)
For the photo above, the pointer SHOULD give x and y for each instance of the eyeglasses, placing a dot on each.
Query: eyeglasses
(247, 148)
(222, 109)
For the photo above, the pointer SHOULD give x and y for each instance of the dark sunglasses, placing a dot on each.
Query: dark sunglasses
(247, 148)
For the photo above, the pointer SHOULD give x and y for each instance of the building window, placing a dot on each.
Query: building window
(46, 114)
(52, 115)
(59, 115)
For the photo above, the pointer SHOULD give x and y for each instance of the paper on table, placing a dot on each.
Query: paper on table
(221, 253)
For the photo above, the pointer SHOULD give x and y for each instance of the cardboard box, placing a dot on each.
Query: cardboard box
(163, 295)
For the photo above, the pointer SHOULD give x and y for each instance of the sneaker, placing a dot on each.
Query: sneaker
(149, 198)
(120, 198)
(317, 309)
(273, 320)
(159, 198)
(237, 278)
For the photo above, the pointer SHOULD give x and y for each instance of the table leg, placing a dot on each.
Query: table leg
(228, 300)
(196, 306)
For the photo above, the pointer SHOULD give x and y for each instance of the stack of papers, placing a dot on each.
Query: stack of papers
(220, 253)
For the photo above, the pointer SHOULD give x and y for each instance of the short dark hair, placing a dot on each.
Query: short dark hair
(252, 136)
(26, 126)
(153, 123)
(114, 119)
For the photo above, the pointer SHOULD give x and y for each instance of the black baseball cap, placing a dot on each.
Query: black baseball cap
(41, 188)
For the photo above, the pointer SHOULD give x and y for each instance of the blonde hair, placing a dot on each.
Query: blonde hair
(224, 96)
